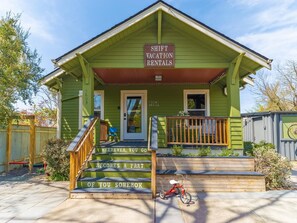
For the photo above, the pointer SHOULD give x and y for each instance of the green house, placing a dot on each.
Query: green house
(159, 62)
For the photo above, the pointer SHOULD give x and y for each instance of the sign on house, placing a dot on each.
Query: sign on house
(159, 55)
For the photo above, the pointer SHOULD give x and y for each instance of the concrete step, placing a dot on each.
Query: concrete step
(121, 150)
(121, 156)
(114, 182)
(135, 193)
(115, 172)
(126, 164)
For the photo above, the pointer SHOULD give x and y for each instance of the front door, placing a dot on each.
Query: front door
(133, 115)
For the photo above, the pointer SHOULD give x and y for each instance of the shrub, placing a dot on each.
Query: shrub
(277, 169)
(247, 148)
(204, 151)
(228, 152)
(177, 150)
(57, 159)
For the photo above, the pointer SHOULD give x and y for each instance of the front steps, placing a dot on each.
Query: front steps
(116, 172)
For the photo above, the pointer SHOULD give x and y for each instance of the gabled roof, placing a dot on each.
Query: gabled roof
(159, 5)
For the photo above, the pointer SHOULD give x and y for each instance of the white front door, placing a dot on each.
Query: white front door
(133, 115)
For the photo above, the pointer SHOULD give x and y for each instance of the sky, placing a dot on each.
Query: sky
(57, 26)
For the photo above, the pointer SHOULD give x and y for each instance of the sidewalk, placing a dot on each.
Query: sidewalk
(29, 200)
(36, 200)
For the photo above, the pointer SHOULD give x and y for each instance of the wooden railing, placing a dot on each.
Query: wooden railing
(80, 150)
(191, 130)
(153, 147)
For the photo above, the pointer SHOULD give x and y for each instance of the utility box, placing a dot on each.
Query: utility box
(278, 128)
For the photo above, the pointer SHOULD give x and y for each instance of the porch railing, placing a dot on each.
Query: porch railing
(80, 150)
(191, 130)
(153, 147)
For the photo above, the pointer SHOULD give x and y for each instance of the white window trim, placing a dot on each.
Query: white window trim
(194, 91)
(80, 105)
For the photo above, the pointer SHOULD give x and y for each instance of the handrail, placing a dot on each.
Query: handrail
(153, 147)
(81, 149)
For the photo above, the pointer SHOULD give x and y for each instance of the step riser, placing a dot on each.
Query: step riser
(121, 165)
(119, 157)
(110, 196)
(121, 150)
(117, 174)
(125, 185)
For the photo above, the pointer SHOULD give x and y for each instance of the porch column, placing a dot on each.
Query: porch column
(233, 95)
(87, 87)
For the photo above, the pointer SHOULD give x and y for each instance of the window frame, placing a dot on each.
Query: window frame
(195, 91)
(100, 92)
(80, 103)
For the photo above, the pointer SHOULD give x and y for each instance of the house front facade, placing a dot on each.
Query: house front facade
(159, 62)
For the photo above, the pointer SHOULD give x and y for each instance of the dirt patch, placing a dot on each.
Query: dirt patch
(22, 174)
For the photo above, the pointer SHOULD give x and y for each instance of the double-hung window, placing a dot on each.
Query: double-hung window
(196, 102)
(99, 104)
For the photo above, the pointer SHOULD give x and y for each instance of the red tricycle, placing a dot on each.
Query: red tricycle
(177, 189)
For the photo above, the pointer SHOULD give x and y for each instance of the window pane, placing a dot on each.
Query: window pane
(97, 102)
(97, 114)
(134, 109)
(196, 101)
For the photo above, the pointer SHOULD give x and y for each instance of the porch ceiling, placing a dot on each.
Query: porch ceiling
(141, 76)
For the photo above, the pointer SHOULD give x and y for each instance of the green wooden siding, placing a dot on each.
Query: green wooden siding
(70, 106)
(128, 53)
(235, 131)
(162, 132)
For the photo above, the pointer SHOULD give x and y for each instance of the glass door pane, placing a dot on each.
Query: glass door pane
(134, 114)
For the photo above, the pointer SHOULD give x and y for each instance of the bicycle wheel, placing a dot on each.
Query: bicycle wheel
(162, 195)
(186, 197)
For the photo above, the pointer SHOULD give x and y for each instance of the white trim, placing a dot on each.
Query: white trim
(52, 76)
(134, 92)
(249, 81)
(80, 105)
(197, 91)
(101, 92)
(59, 114)
(178, 15)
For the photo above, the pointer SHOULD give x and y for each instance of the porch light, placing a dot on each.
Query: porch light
(158, 77)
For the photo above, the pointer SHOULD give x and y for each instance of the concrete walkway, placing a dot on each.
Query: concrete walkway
(36, 200)
(29, 200)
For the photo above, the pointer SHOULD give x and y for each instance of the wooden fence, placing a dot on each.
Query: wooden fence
(18, 142)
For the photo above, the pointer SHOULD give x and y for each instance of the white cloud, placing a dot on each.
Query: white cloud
(277, 44)
(31, 19)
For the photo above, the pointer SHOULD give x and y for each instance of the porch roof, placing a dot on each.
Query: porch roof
(64, 62)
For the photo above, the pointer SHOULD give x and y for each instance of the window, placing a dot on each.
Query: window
(99, 104)
(196, 102)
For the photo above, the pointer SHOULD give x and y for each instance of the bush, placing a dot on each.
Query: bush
(57, 159)
(228, 152)
(177, 150)
(277, 169)
(204, 151)
(247, 148)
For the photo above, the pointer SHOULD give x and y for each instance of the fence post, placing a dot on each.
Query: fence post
(32, 144)
(8, 145)
(154, 176)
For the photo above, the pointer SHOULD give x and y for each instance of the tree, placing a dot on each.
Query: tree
(45, 110)
(19, 66)
(279, 94)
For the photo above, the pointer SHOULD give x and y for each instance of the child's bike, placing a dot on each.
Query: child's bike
(177, 189)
